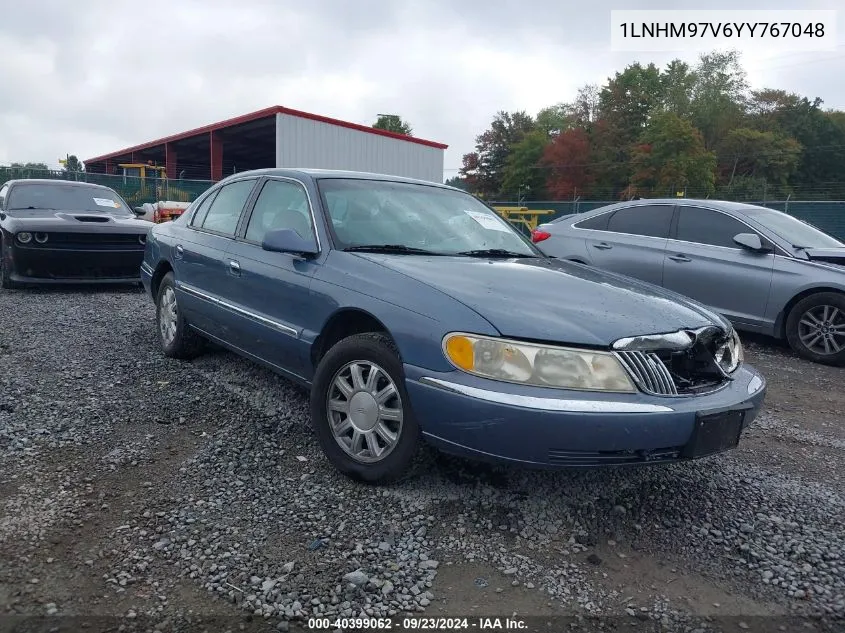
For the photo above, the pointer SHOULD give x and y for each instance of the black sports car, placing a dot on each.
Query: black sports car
(58, 231)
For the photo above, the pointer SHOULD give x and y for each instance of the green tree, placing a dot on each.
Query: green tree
(755, 154)
(555, 119)
(719, 96)
(484, 168)
(522, 167)
(72, 165)
(31, 166)
(629, 99)
(393, 123)
(457, 182)
(672, 157)
(677, 83)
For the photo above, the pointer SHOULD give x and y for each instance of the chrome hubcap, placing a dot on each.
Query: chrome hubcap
(167, 316)
(822, 330)
(364, 411)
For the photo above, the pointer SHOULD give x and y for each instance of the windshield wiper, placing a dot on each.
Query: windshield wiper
(398, 249)
(32, 208)
(493, 252)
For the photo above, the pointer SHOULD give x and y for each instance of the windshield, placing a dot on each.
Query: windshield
(372, 212)
(793, 230)
(66, 198)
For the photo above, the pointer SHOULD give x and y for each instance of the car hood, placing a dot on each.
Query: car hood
(553, 300)
(829, 255)
(73, 221)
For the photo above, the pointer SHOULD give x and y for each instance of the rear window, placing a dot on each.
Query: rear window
(597, 223)
(60, 197)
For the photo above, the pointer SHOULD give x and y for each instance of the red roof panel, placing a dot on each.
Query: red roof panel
(260, 114)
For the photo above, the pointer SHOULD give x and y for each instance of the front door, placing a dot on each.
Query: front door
(704, 263)
(271, 290)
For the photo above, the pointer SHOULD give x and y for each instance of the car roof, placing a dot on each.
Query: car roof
(720, 205)
(321, 174)
(56, 181)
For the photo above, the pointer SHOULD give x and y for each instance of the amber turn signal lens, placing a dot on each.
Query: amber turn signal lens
(460, 351)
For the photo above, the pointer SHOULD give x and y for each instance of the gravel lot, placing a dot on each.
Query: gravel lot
(192, 496)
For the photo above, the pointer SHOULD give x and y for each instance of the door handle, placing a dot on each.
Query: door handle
(179, 250)
(603, 246)
(235, 267)
(679, 258)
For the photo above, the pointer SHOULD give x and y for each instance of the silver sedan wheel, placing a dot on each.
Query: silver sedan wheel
(822, 330)
(364, 410)
(167, 316)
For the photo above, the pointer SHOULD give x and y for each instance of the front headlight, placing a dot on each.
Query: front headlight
(24, 237)
(729, 355)
(537, 365)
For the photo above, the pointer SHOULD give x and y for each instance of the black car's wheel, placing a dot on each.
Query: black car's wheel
(361, 410)
(815, 328)
(176, 338)
(5, 273)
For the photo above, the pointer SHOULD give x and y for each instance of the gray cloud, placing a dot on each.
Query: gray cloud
(91, 78)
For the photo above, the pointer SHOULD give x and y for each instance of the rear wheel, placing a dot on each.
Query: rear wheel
(815, 328)
(361, 410)
(177, 339)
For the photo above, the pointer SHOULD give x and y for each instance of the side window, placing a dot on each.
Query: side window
(223, 214)
(598, 222)
(649, 220)
(703, 226)
(202, 210)
(282, 204)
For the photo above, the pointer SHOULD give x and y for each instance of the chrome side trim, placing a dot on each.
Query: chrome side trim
(146, 268)
(284, 329)
(545, 404)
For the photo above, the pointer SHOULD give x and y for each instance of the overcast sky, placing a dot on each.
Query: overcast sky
(91, 77)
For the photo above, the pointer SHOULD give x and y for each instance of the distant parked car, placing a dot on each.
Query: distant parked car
(412, 310)
(56, 231)
(766, 271)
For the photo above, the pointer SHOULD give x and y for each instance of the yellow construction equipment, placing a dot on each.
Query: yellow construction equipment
(151, 179)
(528, 218)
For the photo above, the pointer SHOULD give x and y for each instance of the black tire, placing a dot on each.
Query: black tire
(803, 313)
(5, 274)
(185, 343)
(379, 350)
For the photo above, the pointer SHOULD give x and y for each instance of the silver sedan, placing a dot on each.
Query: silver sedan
(766, 271)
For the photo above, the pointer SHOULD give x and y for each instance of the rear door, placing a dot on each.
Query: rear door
(633, 241)
(199, 258)
(703, 262)
(270, 291)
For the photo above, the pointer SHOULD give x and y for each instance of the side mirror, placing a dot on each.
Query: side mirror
(139, 211)
(752, 242)
(288, 241)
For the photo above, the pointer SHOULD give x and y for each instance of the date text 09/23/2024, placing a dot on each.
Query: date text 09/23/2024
(417, 624)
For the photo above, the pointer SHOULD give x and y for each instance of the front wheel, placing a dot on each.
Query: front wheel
(815, 328)
(361, 410)
(177, 339)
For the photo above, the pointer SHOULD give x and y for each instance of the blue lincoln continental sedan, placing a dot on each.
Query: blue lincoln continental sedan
(412, 312)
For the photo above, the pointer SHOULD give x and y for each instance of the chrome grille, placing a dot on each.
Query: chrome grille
(649, 372)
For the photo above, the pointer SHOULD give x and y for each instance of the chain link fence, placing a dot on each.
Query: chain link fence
(136, 191)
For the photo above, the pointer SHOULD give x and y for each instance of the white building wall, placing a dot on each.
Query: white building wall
(313, 144)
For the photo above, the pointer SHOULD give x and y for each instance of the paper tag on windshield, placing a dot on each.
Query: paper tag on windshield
(105, 202)
(487, 221)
